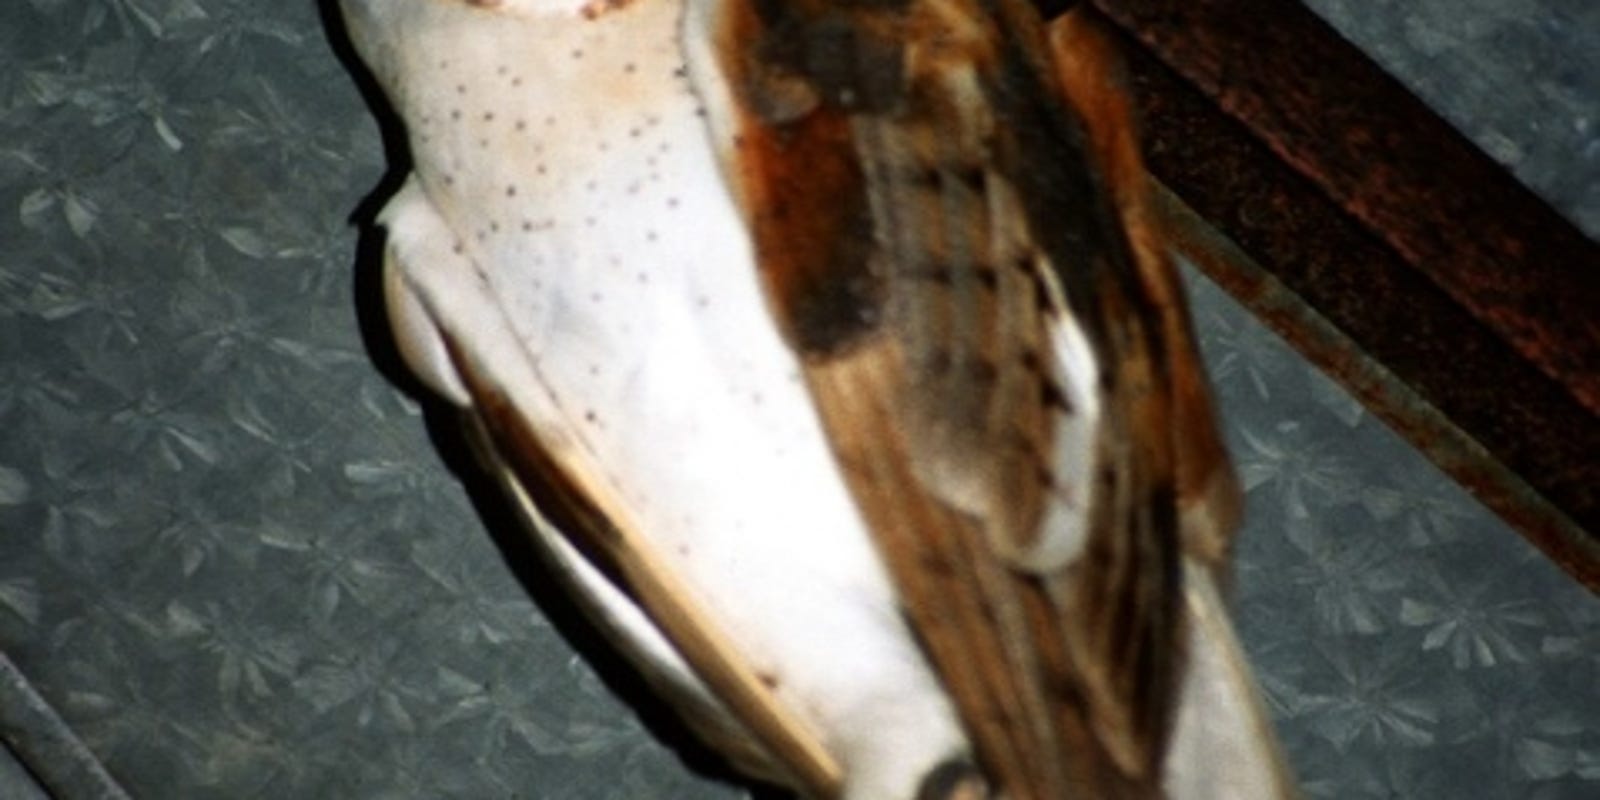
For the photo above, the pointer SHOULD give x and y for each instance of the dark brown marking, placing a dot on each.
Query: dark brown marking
(939, 275)
(849, 65)
(1030, 361)
(595, 9)
(981, 372)
(988, 278)
(1051, 395)
(1063, 681)
(974, 178)
(953, 780)
(813, 231)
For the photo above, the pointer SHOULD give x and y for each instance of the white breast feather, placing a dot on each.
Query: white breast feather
(568, 225)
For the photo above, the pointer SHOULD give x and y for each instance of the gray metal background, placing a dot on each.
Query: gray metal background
(233, 563)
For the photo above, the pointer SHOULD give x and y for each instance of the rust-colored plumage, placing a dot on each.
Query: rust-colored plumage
(832, 352)
(921, 231)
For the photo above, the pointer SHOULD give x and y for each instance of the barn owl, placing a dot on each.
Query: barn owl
(835, 360)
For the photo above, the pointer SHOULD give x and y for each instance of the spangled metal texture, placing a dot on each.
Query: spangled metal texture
(233, 561)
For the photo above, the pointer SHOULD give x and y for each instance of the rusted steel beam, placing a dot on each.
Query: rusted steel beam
(1473, 334)
(1448, 210)
(1390, 398)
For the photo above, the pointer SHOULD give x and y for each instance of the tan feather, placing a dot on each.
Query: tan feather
(953, 235)
(985, 195)
(1208, 495)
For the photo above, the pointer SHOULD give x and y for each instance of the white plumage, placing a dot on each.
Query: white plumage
(569, 262)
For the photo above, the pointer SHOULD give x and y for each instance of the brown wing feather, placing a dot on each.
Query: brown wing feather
(921, 227)
(1208, 494)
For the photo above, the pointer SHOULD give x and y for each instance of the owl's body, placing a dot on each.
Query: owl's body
(603, 268)
(572, 262)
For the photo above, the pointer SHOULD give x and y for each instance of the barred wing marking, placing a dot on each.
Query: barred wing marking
(943, 231)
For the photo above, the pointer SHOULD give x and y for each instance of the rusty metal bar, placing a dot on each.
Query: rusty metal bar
(1421, 254)
(1446, 209)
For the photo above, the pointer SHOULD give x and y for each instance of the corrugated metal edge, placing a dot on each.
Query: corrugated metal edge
(16, 782)
(1471, 396)
(46, 747)
(1384, 393)
(1446, 209)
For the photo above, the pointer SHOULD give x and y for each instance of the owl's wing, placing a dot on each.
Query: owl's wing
(568, 500)
(947, 210)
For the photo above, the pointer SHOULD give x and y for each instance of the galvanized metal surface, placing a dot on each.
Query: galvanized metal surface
(234, 562)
